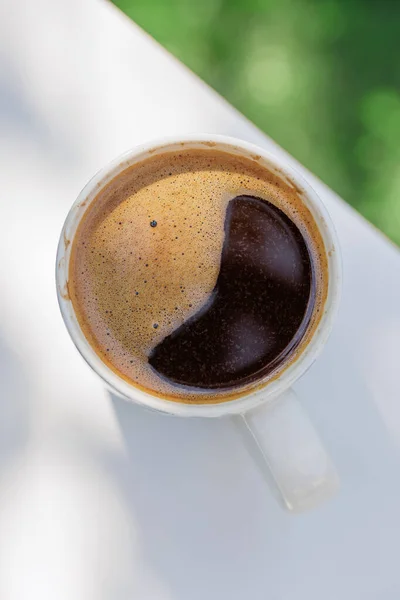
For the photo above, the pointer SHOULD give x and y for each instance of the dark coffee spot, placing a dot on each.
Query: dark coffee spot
(258, 311)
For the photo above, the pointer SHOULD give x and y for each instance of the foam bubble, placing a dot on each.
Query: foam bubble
(147, 253)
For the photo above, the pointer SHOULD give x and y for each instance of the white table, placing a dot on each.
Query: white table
(100, 499)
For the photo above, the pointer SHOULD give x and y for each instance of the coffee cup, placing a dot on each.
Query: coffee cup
(291, 449)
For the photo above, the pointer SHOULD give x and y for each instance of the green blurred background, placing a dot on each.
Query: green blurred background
(321, 77)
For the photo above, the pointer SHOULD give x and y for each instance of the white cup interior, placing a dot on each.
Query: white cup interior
(289, 375)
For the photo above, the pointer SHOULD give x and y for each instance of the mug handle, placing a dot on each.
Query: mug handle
(297, 460)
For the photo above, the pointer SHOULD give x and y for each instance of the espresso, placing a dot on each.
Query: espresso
(197, 275)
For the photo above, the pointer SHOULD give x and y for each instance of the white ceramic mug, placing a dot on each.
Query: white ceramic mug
(286, 438)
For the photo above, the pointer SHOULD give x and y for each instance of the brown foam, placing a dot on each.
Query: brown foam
(132, 284)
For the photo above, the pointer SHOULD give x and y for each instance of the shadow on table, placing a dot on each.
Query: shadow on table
(190, 487)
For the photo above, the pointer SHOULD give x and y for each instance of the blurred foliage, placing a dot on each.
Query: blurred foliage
(321, 77)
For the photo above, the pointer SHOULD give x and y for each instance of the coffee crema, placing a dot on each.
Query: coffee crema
(198, 275)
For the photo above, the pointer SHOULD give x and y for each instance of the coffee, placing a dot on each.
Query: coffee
(197, 275)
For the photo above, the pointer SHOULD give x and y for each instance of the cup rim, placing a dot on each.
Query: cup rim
(293, 371)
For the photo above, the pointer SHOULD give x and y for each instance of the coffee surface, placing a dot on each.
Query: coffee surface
(195, 274)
